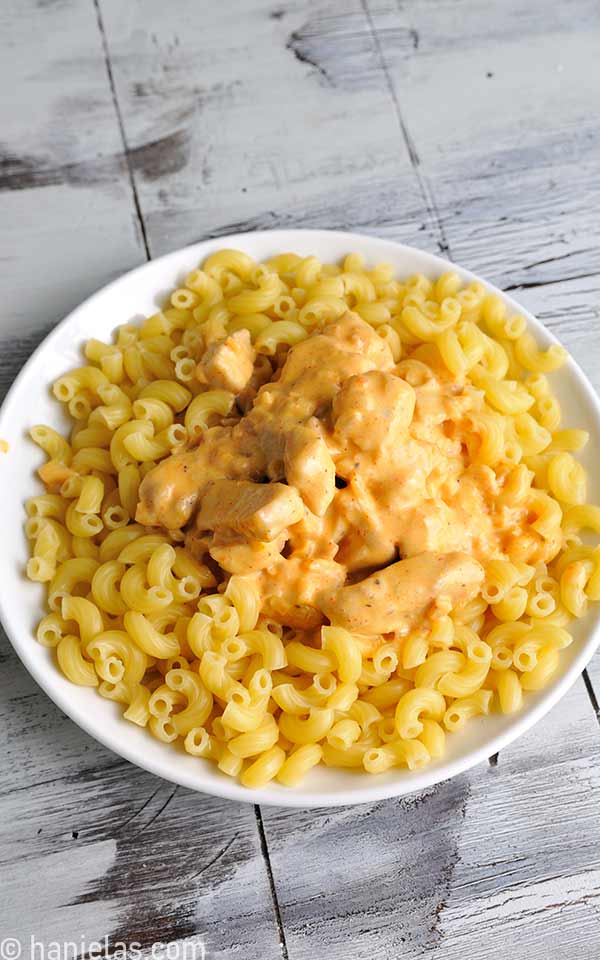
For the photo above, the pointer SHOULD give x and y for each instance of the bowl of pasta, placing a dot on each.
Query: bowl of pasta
(317, 529)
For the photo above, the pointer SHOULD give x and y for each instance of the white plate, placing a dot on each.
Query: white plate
(29, 402)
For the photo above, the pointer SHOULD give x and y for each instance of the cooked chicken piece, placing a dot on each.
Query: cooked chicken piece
(228, 364)
(198, 543)
(236, 554)
(292, 586)
(397, 596)
(260, 511)
(315, 536)
(170, 492)
(315, 368)
(358, 336)
(366, 546)
(300, 616)
(312, 374)
(309, 467)
(363, 538)
(433, 526)
(261, 374)
(373, 407)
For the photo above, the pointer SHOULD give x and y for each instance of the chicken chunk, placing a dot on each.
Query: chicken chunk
(309, 467)
(291, 588)
(170, 492)
(228, 364)
(433, 526)
(313, 372)
(397, 596)
(262, 372)
(365, 541)
(237, 554)
(358, 336)
(372, 407)
(260, 511)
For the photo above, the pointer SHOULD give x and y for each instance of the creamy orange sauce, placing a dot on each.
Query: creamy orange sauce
(348, 485)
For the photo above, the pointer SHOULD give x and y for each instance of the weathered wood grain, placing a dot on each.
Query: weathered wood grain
(503, 118)
(502, 114)
(68, 222)
(507, 194)
(249, 130)
(492, 863)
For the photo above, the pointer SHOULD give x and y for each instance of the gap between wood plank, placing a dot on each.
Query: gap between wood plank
(426, 193)
(265, 852)
(531, 284)
(591, 694)
(113, 91)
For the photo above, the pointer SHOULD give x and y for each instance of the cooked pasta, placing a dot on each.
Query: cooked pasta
(242, 461)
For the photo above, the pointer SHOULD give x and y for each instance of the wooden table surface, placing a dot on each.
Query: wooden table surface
(133, 127)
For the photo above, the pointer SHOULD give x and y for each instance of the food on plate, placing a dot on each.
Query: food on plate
(311, 512)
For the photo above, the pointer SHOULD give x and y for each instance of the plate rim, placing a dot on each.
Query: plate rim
(228, 788)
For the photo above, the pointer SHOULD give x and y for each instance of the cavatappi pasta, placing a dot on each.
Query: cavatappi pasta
(313, 513)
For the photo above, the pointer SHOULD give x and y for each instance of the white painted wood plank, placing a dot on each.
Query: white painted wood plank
(513, 197)
(502, 861)
(502, 111)
(68, 223)
(593, 675)
(249, 131)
